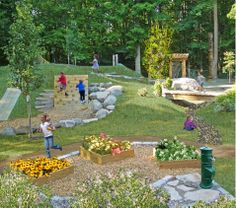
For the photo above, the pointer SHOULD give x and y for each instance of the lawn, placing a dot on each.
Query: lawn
(133, 116)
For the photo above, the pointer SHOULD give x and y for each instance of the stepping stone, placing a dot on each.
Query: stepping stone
(206, 195)
(192, 180)
(8, 102)
(174, 195)
(162, 181)
(173, 183)
(185, 188)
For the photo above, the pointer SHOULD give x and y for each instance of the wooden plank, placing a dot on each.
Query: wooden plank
(8, 102)
(176, 164)
(103, 159)
(53, 176)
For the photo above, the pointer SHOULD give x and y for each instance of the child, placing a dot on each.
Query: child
(200, 79)
(81, 87)
(188, 124)
(47, 128)
(62, 83)
(95, 66)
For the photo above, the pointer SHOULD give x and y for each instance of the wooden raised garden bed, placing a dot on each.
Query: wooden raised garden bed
(53, 176)
(103, 159)
(175, 164)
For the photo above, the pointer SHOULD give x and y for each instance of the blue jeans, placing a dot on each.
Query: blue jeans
(49, 144)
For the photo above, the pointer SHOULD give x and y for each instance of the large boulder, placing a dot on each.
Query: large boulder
(101, 96)
(102, 113)
(67, 123)
(110, 100)
(185, 84)
(115, 90)
(110, 107)
(95, 105)
(8, 131)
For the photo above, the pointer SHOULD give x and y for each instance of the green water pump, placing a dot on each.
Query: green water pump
(207, 169)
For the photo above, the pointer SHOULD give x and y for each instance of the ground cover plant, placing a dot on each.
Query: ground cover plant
(104, 145)
(225, 102)
(175, 150)
(39, 167)
(17, 191)
(122, 190)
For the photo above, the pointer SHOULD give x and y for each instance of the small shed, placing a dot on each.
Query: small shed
(181, 57)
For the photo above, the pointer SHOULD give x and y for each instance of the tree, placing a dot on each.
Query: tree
(229, 63)
(156, 54)
(22, 50)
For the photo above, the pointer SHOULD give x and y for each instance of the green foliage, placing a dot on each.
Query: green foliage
(156, 54)
(225, 102)
(175, 150)
(157, 88)
(142, 92)
(23, 47)
(168, 83)
(232, 12)
(229, 63)
(123, 190)
(223, 202)
(17, 191)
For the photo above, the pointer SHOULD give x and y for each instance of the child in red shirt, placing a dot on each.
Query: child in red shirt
(62, 83)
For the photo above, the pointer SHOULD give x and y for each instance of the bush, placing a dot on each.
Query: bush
(175, 150)
(122, 190)
(225, 102)
(142, 92)
(168, 83)
(17, 191)
(157, 88)
(221, 203)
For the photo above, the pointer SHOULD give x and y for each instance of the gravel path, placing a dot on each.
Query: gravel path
(142, 164)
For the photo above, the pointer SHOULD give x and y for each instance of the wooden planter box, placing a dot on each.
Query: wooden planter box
(175, 164)
(103, 159)
(53, 176)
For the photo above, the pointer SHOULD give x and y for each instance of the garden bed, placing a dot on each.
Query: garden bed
(53, 176)
(176, 164)
(103, 159)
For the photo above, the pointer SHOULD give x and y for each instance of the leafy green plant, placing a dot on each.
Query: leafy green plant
(104, 145)
(229, 63)
(175, 150)
(142, 92)
(156, 54)
(225, 102)
(223, 202)
(17, 191)
(168, 83)
(157, 88)
(122, 190)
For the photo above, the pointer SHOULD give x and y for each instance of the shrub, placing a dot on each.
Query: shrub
(221, 203)
(225, 102)
(168, 83)
(175, 150)
(17, 191)
(122, 190)
(142, 92)
(157, 88)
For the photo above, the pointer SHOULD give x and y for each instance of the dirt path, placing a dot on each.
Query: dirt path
(59, 113)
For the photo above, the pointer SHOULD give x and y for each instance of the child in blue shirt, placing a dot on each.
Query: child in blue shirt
(81, 87)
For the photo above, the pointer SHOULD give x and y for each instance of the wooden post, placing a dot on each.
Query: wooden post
(113, 60)
(170, 70)
(183, 68)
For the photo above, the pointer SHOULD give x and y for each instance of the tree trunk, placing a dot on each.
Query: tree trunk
(28, 100)
(68, 58)
(215, 57)
(210, 55)
(138, 60)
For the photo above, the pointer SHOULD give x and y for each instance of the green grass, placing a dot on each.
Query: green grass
(225, 173)
(133, 116)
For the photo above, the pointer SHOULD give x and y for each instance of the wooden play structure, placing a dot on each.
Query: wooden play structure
(73, 97)
(180, 57)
